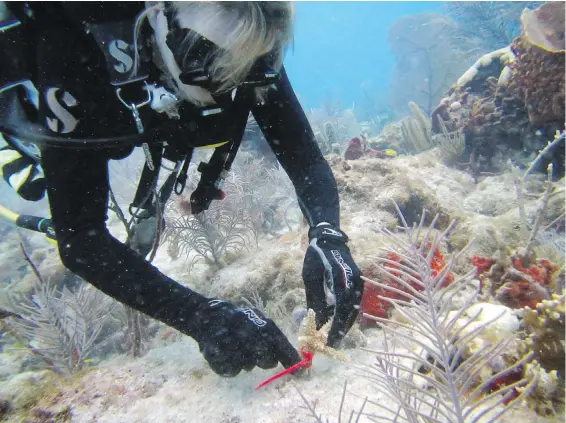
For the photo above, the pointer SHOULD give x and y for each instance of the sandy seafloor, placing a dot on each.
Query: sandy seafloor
(172, 382)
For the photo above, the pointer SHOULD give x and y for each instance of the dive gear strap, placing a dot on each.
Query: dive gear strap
(215, 171)
(212, 173)
(128, 64)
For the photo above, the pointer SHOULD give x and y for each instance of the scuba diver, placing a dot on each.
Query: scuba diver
(85, 83)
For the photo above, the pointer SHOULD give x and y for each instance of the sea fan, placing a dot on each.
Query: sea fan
(493, 23)
(257, 199)
(211, 234)
(62, 327)
(264, 191)
(438, 375)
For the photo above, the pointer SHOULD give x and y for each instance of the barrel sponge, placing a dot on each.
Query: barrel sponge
(538, 70)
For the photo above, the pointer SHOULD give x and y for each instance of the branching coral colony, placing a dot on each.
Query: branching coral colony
(447, 356)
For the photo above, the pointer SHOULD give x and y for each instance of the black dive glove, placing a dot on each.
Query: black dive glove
(232, 339)
(329, 269)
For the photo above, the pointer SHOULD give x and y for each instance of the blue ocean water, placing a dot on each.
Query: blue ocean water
(341, 48)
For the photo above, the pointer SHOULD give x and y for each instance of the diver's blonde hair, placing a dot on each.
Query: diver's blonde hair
(250, 29)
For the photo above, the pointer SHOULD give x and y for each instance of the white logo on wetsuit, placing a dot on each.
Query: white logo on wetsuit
(119, 50)
(252, 316)
(64, 122)
(346, 270)
(329, 231)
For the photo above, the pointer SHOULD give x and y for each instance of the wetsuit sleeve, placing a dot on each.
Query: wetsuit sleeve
(289, 134)
(78, 186)
(76, 99)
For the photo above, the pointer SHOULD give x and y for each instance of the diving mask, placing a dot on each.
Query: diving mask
(195, 70)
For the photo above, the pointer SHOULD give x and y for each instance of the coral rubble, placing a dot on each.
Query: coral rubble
(515, 283)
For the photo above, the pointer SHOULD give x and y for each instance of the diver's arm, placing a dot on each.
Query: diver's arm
(289, 134)
(78, 195)
(230, 338)
(328, 262)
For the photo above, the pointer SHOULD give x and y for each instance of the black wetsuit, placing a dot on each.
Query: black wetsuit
(78, 180)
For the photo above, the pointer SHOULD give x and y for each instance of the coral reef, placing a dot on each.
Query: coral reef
(441, 359)
(511, 101)
(376, 182)
(172, 381)
(528, 290)
(486, 107)
(488, 211)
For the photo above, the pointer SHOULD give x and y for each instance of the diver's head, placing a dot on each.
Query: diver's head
(227, 39)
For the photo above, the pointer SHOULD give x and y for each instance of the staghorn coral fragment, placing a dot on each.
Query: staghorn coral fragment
(313, 341)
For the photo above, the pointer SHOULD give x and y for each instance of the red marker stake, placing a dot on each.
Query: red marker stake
(305, 363)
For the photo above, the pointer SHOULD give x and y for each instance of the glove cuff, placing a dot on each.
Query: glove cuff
(327, 232)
